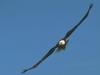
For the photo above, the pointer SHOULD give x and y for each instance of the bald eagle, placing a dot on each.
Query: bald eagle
(61, 44)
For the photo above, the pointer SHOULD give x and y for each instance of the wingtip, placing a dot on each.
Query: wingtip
(91, 5)
(24, 71)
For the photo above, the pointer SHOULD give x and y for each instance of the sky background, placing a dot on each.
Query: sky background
(29, 28)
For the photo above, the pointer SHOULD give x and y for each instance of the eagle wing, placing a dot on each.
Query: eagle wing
(74, 28)
(40, 61)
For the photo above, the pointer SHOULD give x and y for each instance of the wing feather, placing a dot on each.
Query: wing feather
(40, 61)
(74, 28)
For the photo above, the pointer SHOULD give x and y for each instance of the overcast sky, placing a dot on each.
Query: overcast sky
(29, 28)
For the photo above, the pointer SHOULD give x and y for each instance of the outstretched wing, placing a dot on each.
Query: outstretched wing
(73, 29)
(40, 61)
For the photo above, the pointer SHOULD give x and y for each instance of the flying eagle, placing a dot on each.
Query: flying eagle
(61, 44)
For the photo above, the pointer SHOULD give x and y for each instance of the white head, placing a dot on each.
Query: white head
(62, 42)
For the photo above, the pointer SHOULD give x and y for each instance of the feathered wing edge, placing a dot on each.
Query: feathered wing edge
(74, 28)
(40, 61)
